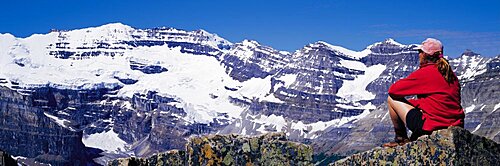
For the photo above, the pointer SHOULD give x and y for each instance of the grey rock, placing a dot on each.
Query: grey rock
(26, 131)
(452, 146)
(268, 149)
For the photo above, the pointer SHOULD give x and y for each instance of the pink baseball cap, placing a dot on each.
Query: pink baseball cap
(430, 46)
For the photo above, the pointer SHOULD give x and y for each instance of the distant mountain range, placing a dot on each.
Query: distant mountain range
(115, 91)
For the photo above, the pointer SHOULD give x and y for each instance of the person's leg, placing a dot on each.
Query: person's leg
(399, 125)
(398, 108)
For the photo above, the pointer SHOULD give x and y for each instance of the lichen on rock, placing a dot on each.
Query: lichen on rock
(267, 149)
(272, 149)
(452, 146)
(171, 158)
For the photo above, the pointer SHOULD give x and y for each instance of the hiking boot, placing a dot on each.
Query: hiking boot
(398, 141)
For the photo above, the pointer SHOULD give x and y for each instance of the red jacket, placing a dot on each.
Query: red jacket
(439, 101)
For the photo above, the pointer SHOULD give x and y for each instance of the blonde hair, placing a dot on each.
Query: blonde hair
(445, 70)
(442, 64)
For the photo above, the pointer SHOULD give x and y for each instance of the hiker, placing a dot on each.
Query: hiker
(438, 97)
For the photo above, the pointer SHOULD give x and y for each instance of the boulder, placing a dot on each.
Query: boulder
(267, 149)
(452, 146)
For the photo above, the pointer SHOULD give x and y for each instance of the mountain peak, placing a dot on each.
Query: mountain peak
(105, 27)
(340, 49)
(7, 36)
(392, 41)
(469, 52)
(321, 43)
(116, 25)
(250, 43)
(202, 32)
(388, 41)
(325, 45)
(110, 27)
(212, 36)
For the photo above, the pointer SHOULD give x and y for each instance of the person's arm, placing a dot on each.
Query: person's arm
(414, 84)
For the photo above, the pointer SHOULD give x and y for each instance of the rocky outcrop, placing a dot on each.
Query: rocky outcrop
(230, 150)
(452, 146)
(172, 157)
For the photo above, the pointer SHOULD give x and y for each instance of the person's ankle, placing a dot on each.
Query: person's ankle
(401, 138)
(401, 133)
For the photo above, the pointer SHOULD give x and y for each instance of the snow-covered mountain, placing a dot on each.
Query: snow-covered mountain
(140, 91)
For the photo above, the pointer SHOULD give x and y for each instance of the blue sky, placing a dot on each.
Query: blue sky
(284, 25)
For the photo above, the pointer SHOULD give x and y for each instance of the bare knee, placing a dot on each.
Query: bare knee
(389, 99)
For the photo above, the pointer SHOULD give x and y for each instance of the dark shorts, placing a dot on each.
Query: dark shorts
(415, 123)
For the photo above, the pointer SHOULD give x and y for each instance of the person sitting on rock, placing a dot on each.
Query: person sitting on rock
(438, 97)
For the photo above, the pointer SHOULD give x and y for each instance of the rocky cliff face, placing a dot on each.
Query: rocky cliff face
(249, 59)
(452, 146)
(400, 61)
(114, 39)
(36, 135)
(480, 96)
(266, 149)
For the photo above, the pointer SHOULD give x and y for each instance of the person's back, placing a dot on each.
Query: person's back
(438, 97)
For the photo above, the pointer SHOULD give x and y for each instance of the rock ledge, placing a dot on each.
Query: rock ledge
(452, 146)
(267, 149)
